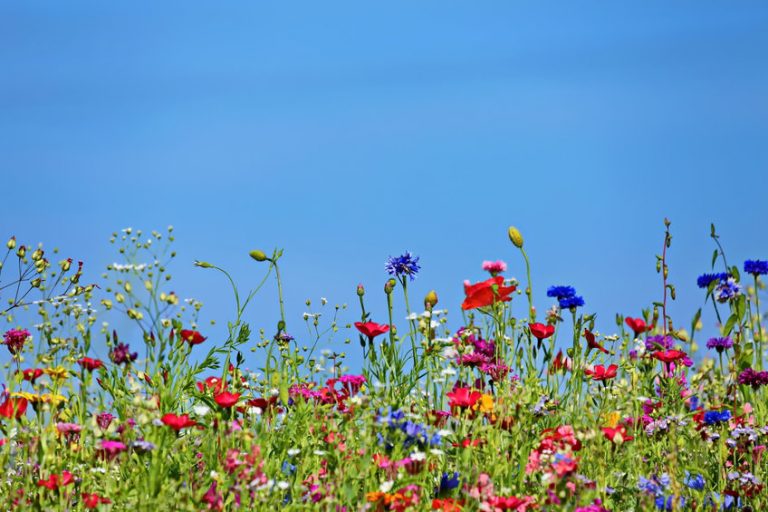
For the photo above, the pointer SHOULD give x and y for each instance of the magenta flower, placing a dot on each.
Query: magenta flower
(494, 267)
(14, 339)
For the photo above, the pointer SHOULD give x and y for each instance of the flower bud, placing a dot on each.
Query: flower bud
(11, 243)
(430, 300)
(360, 290)
(21, 251)
(65, 264)
(37, 254)
(258, 255)
(203, 264)
(515, 237)
(389, 285)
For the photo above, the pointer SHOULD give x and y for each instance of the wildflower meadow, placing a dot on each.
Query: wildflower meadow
(522, 407)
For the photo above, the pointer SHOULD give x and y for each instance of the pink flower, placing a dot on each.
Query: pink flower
(14, 339)
(494, 267)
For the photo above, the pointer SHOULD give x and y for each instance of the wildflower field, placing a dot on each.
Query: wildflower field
(521, 408)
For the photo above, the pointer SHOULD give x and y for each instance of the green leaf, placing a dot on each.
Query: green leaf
(729, 324)
(735, 273)
(714, 258)
(695, 321)
(712, 230)
(741, 306)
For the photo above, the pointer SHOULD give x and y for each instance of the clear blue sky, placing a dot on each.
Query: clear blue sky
(347, 132)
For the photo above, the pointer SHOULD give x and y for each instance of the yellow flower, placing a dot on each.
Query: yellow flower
(31, 397)
(58, 373)
(55, 400)
(485, 404)
(612, 419)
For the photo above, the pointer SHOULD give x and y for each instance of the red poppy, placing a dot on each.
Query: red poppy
(669, 356)
(600, 372)
(371, 329)
(214, 383)
(90, 364)
(592, 342)
(93, 500)
(617, 435)
(192, 337)
(463, 398)
(32, 374)
(177, 422)
(638, 325)
(541, 331)
(447, 504)
(54, 481)
(561, 362)
(226, 399)
(13, 408)
(486, 293)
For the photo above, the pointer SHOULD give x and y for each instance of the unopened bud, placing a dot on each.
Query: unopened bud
(11, 243)
(203, 264)
(65, 264)
(430, 300)
(515, 237)
(360, 290)
(35, 283)
(21, 251)
(389, 285)
(258, 255)
(280, 326)
(37, 254)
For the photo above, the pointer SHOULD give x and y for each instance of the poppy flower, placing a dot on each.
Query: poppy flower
(90, 364)
(32, 374)
(213, 383)
(177, 422)
(617, 435)
(600, 372)
(486, 293)
(561, 362)
(592, 342)
(638, 325)
(93, 500)
(226, 399)
(13, 408)
(192, 337)
(541, 331)
(669, 356)
(463, 398)
(371, 329)
(55, 481)
(447, 504)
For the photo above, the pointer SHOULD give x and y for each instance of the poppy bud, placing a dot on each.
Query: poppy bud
(430, 300)
(203, 264)
(515, 237)
(389, 285)
(360, 290)
(258, 255)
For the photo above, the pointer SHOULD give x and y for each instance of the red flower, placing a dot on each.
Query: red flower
(54, 481)
(638, 325)
(178, 422)
(214, 383)
(463, 398)
(561, 362)
(669, 356)
(93, 500)
(32, 374)
(447, 504)
(13, 408)
(486, 293)
(226, 399)
(592, 343)
(192, 337)
(617, 435)
(542, 331)
(371, 329)
(90, 364)
(600, 372)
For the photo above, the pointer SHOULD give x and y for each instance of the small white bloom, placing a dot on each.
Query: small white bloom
(201, 410)
(283, 485)
(418, 456)
(386, 486)
(293, 452)
(444, 432)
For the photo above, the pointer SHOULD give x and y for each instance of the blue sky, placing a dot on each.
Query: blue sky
(346, 132)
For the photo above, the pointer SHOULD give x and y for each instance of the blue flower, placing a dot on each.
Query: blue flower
(561, 292)
(756, 267)
(720, 344)
(571, 302)
(288, 468)
(714, 417)
(405, 265)
(694, 482)
(448, 482)
(727, 290)
(705, 280)
(670, 503)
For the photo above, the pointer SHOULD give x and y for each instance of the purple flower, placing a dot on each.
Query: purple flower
(122, 354)
(659, 342)
(750, 377)
(405, 265)
(720, 344)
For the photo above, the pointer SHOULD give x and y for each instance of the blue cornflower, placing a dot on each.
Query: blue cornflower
(695, 482)
(448, 482)
(670, 502)
(756, 267)
(705, 280)
(405, 265)
(720, 344)
(288, 468)
(727, 290)
(571, 302)
(648, 485)
(714, 417)
(561, 292)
